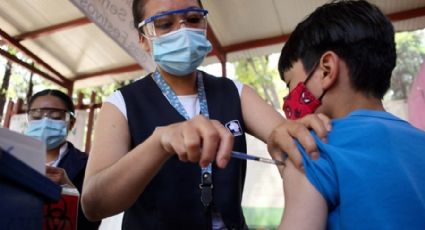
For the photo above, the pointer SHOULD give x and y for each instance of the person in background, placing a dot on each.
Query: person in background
(150, 133)
(369, 175)
(51, 115)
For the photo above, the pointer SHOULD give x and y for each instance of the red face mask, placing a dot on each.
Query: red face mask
(300, 101)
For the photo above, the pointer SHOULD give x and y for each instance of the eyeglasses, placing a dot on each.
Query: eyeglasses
(53, 113)
(168, 21)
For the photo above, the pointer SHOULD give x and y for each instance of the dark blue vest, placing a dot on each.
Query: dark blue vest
(172, 199)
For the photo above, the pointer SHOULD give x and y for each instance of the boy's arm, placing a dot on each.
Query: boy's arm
(305, 207)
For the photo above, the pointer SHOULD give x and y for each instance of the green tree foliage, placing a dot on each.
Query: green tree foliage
(14, 79)
(5, 86)
(410, 54)
(6, 80)
(19, 79)
(258, 73)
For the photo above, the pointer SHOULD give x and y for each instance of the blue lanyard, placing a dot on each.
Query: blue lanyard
(175, 102)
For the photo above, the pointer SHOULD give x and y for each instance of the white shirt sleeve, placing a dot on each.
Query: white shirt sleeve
(239, 86)
(117, 99)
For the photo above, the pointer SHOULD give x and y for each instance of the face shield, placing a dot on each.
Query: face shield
(168, 21)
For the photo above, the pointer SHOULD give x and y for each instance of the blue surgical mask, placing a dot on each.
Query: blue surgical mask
(180, 52)
(52, 132)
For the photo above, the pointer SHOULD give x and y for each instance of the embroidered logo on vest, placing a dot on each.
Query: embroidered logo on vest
(234, 127)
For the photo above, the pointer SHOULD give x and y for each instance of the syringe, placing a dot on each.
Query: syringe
(244, 156)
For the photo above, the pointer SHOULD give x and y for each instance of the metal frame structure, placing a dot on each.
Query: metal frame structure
(220, 51)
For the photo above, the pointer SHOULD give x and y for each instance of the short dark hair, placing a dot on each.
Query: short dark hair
(358, 32)
(138, 9)
(67, 101)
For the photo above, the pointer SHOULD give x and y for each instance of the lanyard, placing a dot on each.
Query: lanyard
(206, 173)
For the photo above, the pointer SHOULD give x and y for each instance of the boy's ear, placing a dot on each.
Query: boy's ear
(329, 65)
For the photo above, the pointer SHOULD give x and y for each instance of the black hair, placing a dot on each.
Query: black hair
(67, 101)
(358, 32)
(138, 9)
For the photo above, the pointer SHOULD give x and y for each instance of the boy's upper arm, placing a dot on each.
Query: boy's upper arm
(311, 193)
(305, 207)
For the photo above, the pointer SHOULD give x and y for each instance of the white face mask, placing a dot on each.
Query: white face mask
(180, 52)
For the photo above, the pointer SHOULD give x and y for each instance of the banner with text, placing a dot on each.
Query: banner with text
(115, 18)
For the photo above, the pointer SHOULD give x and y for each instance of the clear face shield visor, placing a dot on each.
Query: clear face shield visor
(52, 113)
(169, 21)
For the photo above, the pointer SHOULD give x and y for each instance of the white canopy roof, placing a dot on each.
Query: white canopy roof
(72, 51)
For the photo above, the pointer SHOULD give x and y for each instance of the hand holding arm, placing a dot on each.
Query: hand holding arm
(281, 140)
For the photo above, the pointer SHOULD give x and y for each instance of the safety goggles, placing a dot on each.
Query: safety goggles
(52, 113)
(168, 21)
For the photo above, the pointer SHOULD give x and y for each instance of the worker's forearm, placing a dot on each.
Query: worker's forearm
(114, 189)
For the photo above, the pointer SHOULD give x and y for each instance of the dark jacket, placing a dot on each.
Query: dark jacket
(74, 163)
(172, 199)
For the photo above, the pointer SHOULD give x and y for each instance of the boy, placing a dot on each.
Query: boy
(338, 62)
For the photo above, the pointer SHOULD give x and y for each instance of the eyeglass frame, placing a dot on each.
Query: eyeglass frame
(46, 113)
(179, 11)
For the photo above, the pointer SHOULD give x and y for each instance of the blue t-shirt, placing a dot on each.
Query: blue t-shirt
(371, 172)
